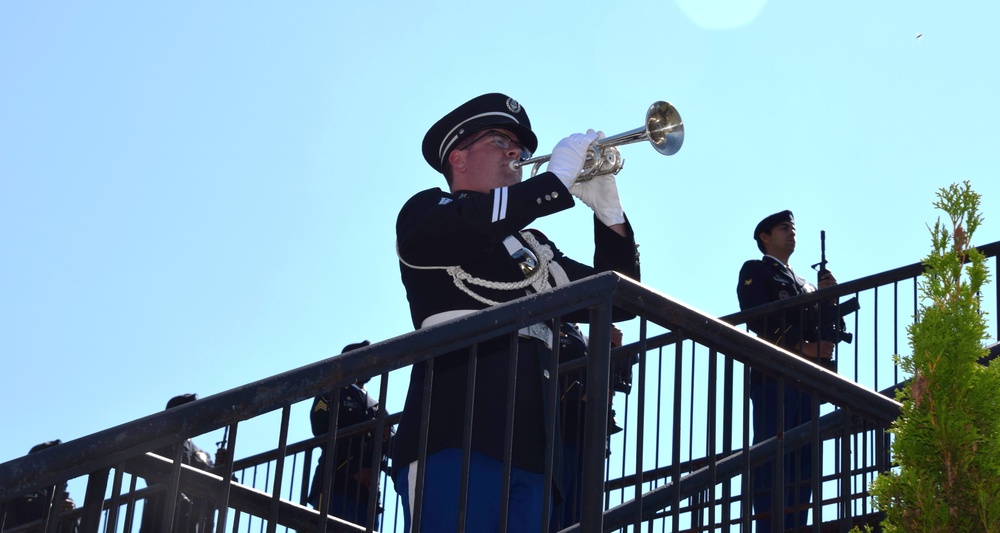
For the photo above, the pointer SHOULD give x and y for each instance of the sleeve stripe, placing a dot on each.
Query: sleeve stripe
(499, 204)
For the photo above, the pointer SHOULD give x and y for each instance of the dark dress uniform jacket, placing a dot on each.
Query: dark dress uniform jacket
(768, 280)
(437, 228)
(354, 455)
(192, 514)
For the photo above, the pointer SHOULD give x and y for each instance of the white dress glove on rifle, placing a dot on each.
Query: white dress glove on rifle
(601, 195)
(569, 155)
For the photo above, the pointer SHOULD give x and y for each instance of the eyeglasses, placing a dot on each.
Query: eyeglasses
(502, 141)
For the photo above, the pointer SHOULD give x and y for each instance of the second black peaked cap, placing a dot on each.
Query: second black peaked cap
(482, 112)
(772, 221)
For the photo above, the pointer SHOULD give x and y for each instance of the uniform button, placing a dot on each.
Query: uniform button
(548, 198)
(545, 373)
(555, 194)
(539, 200)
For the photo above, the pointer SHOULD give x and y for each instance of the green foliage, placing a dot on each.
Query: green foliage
(947, 440)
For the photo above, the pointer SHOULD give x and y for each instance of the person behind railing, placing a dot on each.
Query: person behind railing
(348, 490)
(34, 507)
(762, 281)
(573, 344)
(192, 514)
(464, 250)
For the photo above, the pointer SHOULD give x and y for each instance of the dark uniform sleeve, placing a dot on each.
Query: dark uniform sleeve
(752, 291)
(758, 286)
(431, 230)
(612, 252)
(319, 415)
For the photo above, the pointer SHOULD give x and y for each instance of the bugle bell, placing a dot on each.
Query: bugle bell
(664, 129)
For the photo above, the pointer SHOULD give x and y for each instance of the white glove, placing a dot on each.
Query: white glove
(601, 195)
(569, 155)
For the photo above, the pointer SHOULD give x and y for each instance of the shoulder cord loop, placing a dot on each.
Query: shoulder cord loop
(461, 277)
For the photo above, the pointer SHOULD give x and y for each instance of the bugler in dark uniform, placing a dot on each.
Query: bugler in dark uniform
(466, 250)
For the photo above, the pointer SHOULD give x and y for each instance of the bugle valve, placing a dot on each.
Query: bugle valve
(664, 130)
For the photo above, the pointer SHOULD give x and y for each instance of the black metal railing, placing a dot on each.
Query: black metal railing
(682, 462)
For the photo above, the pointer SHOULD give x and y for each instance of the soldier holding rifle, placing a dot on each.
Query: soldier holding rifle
(763, 281)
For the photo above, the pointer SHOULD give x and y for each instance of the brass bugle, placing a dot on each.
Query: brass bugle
(664, 129)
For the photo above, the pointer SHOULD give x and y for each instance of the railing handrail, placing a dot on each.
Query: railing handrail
(130, 442)
(753, 351)
(111, 447)
(855, 286)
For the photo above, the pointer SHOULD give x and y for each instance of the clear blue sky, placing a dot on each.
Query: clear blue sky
(195, 196)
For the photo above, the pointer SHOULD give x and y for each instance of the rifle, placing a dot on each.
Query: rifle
(225, 438)
(820, 267)
(833, 329)
(221, 453)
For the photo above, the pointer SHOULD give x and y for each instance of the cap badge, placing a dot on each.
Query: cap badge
(513, 106)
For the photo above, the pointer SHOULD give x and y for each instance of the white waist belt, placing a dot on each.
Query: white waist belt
(538, 331)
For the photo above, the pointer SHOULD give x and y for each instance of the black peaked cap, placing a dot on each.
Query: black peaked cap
(480, 113)
(772, 221)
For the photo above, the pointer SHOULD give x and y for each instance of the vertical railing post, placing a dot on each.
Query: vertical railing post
(469, 419)
(227, 480)
(551, 417)
(173, 489)
(675, 441)
(711, 444)
(508, 441)
(996, 283)
(111, 524)
(93, 500)
(849, 445)
(279, 469)
(329, 460)
(379, 441)
(595, 432)
(727, 432)
(640, 430)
